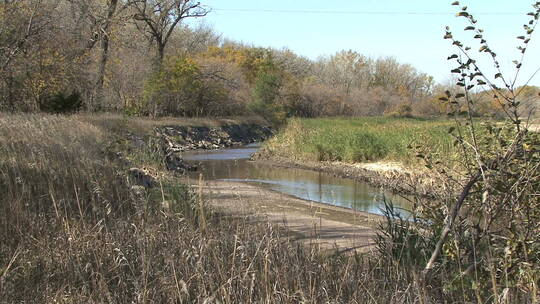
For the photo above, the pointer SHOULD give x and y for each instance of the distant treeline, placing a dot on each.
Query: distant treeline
(139, 57)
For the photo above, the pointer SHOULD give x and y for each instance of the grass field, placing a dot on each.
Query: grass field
(360, 139)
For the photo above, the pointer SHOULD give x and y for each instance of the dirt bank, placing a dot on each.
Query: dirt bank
(165, 144)
(388, 175)
(183, 138)
(311, 223)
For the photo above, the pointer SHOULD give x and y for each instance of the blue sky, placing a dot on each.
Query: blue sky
(413, 36)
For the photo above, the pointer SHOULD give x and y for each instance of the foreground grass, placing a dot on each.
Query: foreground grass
(360, 139)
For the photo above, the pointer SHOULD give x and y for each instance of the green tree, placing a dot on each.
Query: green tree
(185, 88)
(266, 94)
(173, 89)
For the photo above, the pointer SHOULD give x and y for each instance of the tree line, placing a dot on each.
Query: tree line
(140, 57)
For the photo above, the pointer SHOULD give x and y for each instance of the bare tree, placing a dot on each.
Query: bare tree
(19, 22)
(23, 24)
(104, 31)
(190, 41)
(157, 19)
(100, 16)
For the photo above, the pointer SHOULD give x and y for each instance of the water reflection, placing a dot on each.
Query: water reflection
(233, 165)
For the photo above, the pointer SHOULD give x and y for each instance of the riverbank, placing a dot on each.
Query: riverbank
(78, 225)
(324, 226)
(397, 154)
(383, 152)
(166, 141)
(391, 176)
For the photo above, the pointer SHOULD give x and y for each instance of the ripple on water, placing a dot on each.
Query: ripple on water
(234, 165)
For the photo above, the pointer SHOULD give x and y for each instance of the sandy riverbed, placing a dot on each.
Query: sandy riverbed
(312, 223)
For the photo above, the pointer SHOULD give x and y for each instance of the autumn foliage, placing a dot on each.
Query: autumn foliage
(106, 53)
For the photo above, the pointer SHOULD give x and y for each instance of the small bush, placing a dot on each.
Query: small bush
(401, 110)
(61, 103)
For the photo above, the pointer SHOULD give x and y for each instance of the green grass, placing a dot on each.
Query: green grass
(360, 139)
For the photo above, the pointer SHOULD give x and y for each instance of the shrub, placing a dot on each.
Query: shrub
(266, 94)
(400, 110)
(483, 233)
(61, 103)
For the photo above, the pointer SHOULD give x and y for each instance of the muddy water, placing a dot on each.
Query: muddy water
(234, 165)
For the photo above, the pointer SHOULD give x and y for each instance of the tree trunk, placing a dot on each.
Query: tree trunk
(159, 56)
(105, 41)
(158, 64)
(101, 73)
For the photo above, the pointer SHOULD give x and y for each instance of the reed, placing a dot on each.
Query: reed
(364, 139)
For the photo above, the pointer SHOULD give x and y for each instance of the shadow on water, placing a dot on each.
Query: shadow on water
(234, 165)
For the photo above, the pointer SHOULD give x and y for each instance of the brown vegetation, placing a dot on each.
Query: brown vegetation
(124, 56)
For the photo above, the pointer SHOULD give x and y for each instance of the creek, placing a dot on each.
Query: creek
(234, 165)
